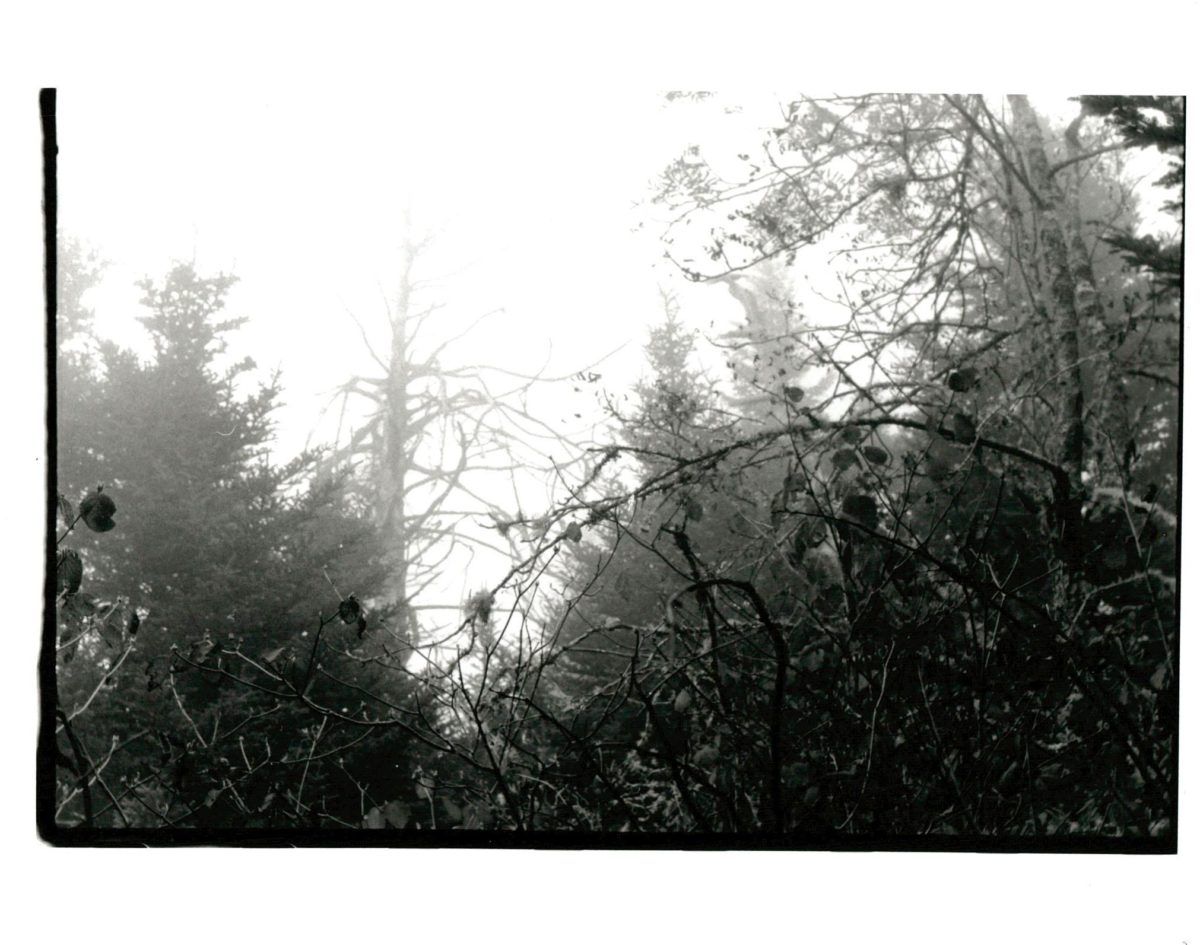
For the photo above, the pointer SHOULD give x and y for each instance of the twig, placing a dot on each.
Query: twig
(304, 774)
(871, 739)
(84, 767)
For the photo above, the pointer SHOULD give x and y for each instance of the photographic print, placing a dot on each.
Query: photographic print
(685, 470)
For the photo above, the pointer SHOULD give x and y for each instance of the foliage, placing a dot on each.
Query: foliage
(904, 592)
(1157, 121)
(905, 566)
(213, 567)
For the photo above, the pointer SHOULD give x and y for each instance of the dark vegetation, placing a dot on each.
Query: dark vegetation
(909, 570)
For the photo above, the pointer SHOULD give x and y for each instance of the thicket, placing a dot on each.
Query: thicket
(904, 567)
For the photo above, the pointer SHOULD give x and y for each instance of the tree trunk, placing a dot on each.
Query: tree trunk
(1067, 286)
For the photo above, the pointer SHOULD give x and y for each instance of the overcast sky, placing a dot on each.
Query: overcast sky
(302, 195)
(301, 192)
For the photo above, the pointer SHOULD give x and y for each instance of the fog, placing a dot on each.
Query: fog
(538, 206)
(545, 255)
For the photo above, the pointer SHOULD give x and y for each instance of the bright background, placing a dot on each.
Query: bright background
(302, 192)
(539, 198)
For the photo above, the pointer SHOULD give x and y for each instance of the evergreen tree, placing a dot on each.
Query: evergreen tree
(214, 566)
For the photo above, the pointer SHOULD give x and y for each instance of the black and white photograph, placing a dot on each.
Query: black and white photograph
(695, 474)
(810, 479)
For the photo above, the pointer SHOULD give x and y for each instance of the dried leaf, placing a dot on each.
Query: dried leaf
(693, 509)
(573, 533)
(65, 509)
(963, 380)
(683, 700)
(862, 508)
(793, 394)
(350, 610)
(875, 455)
(396, 814)
(69, 570)
(843, 459)
(97, 512)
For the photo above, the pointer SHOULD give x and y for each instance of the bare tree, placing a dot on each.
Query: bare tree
(442, 446)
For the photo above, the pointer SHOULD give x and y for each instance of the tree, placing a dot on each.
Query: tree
(433, 431)
(905, 567)
(956, 595)
(976, 303)
(660, 688)
(217, 562)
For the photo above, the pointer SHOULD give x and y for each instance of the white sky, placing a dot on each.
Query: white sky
(302, 195)
(301, 191)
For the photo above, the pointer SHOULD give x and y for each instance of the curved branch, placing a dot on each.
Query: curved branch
(775, 786)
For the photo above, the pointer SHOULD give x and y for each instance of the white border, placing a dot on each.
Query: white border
(350, 895)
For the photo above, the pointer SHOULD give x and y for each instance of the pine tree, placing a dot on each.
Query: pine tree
(216, 557)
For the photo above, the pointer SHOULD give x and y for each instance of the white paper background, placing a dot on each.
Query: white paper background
(384, 895)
